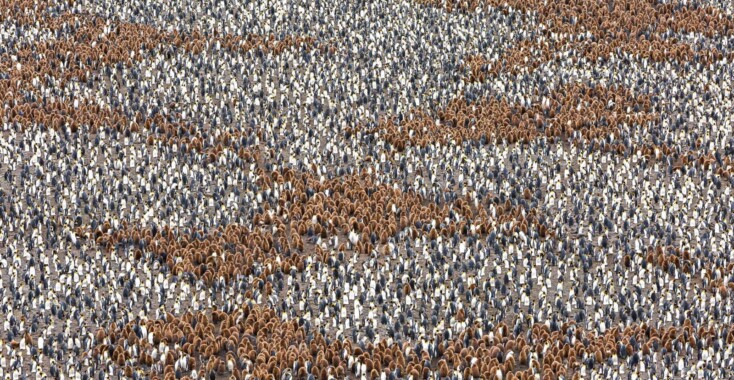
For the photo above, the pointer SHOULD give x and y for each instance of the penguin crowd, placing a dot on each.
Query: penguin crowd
(413, 189)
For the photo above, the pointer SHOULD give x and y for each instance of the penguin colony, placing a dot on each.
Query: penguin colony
(424, 189)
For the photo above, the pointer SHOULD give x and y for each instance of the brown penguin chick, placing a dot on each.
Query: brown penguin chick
(509, 365)
(650, 258)
(425, 372)
(523, 359)
(599, 356)
(460, 315)
(443, 368)
(475, 370)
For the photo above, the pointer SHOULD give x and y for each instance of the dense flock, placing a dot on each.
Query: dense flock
(425, 189)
